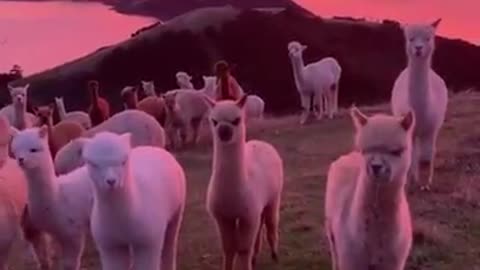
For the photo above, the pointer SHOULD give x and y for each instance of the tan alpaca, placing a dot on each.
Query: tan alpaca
(367, 217)
(245, 188)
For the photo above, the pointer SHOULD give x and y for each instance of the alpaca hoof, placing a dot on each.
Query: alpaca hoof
(275, 257)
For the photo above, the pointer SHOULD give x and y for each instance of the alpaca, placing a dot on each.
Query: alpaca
(57, 205)
(13, 196)
(184, 80)
(16, 113)
(254, 107)
(245, 187)
(367, 217)
(129, 97)
(76, 116)
(61, 133)
(127, 183)
(317, 83)
(149, 88)
(420, 89)
(210, 85)
(191, 109)
(174, 125)
(144, 128)
(99, 109)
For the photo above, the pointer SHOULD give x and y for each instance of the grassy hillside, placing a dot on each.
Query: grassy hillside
(447, 224)
(371, 55)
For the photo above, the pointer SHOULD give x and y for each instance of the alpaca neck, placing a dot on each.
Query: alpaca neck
(119, 202)
(42, 185)
(62, 113)
(229, 168)
(298, 66)
(375, 201)
(20, 116)
(418, 84)
(94, 98)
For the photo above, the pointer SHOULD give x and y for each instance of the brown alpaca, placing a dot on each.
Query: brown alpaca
(99, 109)
(59, 134)
(227, 85)
(129, 97)
(155, 106)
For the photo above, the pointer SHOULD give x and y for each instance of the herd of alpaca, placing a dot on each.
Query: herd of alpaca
(100, 174)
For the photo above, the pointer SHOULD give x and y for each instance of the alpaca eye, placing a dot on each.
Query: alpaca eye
(411, 39)
(397, 152)
(33, 150)
(236, 121)
(215, 122)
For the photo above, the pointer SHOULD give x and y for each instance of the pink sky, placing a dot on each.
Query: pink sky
(460, 17)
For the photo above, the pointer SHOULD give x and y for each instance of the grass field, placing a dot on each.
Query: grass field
(446, 220)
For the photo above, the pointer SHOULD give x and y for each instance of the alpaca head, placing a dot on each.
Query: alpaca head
(384, 143)
(106, 158)
(227, 120)
(44, 113)
(148, 88)
(19, 95)
(58, 101)
(30, 147)
(129, 96)
(420, 39)
(295, 49)
(184, 80)
(210, 83)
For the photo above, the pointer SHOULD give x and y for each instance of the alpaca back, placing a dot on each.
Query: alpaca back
(265, 171)
(155, 106)
(255, 106)
(64, 132)
(191, 103)
(80, 117)
(319, 75)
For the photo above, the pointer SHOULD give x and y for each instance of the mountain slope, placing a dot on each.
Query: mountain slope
(370, 54)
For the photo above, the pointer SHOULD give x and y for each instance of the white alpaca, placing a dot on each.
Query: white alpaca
(367, 216)
(76, 116)
(245, 187)
(144, 128)
(209, 86)
(16, 112)
(139, 202)
(149, 88)
(184, 80)
(57, 205)
(317, 83)
(420, 89)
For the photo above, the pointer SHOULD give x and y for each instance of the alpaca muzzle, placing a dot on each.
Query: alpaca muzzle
(225, 133)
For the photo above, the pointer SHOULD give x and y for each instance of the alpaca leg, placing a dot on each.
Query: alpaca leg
(272, 217)
(318, 104)
(195, 123)
(305, 99)
(114, 257)
(227, 230)
(169, 251)
(148, 257)
(331, 103)
(413, 170)
(331, 243)
(72, 249)
(426, 161)
(40, 241)
(247, 232)
(4, 252)
(258, 242)
(183, 135)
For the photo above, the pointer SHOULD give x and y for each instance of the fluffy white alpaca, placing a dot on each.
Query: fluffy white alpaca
(57, 205)
(317, 83)
(190, 108)
(367, 217)
(127, 183)
(16, 112)
(245, 187)
(149, 88)
(420, 89)
(144, 128)
(76, 116)
(209, 86)
(184, 80)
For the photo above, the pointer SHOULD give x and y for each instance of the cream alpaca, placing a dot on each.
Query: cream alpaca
(367, 217)
(144, 128)
(184, 80)
(16, 112)
(317, 83)
(79, 117)
(127, 183)
(58, 206)
(245, 188)
(420, 89)
(149, 88)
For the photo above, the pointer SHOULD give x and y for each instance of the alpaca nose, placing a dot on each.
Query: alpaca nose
(20, 161)
(225, 133)
(110, 182)
(376, 168)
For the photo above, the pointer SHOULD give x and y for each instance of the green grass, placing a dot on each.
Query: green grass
(446, 220)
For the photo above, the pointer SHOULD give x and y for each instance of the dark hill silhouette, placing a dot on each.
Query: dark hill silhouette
(371, 55)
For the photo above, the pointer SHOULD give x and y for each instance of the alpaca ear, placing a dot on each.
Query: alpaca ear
(436, 23)
(126, 138)
(13, 131)
(35, 109)
(210, 102)
(241, 102)
(359, 119)
(304, 47)
(43, 131)
(26, 87)
(408, 121)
